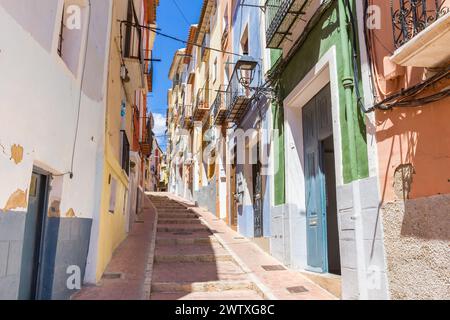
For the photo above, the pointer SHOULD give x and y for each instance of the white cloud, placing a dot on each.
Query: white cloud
(160, 127)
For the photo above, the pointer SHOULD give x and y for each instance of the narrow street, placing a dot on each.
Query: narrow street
(190, 263)
(177, 251)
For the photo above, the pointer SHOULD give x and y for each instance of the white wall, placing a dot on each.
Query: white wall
(39, 103)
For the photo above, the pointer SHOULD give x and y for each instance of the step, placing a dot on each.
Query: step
(212, 286)
(163, 208)
(181, 228)
(176, 211)
(222, 295)
(177, 216)
(189, 272)
(192, 258)
(207, 240)
(190, 249)
(184, 235)
(179, 221)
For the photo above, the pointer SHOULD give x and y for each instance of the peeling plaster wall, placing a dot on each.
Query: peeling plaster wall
(39, 112)
(417, 242)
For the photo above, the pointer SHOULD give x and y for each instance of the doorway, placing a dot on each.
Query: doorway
(233, 193)
(257, 195)
(33, 238)
(322, 233)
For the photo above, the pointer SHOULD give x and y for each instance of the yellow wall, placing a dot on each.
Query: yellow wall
(112, 225)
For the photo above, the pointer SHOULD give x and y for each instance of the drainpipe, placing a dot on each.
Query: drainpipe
(348, 83)
(351, 110)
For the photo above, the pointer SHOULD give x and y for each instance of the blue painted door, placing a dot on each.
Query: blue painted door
(317, 126)
(34, 221)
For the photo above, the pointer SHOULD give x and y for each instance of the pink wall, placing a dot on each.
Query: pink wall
(419, 136)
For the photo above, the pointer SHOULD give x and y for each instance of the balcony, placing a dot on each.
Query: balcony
(281, 16)
(133, 56)
(202, 105)
(149, 69)
(219, 107)
(186, 118)
(204, 50)
(421, 30)
(225, 36)
(237, 99)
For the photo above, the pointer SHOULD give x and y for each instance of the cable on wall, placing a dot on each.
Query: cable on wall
(81, 90)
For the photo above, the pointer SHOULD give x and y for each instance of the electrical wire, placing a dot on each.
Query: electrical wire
(168, 36)
(181, 12)
(403, 98)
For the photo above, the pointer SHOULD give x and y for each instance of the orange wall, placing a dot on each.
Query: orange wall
(419, 136)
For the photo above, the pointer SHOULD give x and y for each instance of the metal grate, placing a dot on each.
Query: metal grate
(273, 268)
(111, 276)
(299, 289)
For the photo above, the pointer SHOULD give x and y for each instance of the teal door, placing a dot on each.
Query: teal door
(317, 126)
(34, 222)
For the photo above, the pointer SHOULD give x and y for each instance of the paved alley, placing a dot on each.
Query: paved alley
(176, 251)
(198, 256)
(190, 263)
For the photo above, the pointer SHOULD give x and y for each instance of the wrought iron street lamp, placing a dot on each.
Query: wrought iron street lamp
(246, 70)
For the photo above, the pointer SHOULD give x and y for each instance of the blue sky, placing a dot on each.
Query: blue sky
(173, 18)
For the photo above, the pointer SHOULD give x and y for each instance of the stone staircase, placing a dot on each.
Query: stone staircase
(190, 263)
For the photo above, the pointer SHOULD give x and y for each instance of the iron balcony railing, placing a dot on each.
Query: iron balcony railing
(202, 104)
(202, 99)
(410, 17)
(219, 105)
(186, 118)
(237, 97)
(280, 18)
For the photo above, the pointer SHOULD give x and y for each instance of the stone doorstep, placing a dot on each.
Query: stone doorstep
(193, 258)
(212, 286)
(329, 282)
(204, 241)
(179, 221)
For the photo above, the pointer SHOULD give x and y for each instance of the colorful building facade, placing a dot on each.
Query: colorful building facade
(306, 134)
(408, 72)
(65, 189)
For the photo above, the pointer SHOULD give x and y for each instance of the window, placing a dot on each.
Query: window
(73, 28)
(215, 70)
(244, 42)
(113, 194)
(133, 35)
(125, 153)
(225, 19)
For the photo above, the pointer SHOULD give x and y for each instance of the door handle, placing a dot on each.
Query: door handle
(313, 222)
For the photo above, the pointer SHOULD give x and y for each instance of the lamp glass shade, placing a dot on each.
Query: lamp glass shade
(246, 63)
